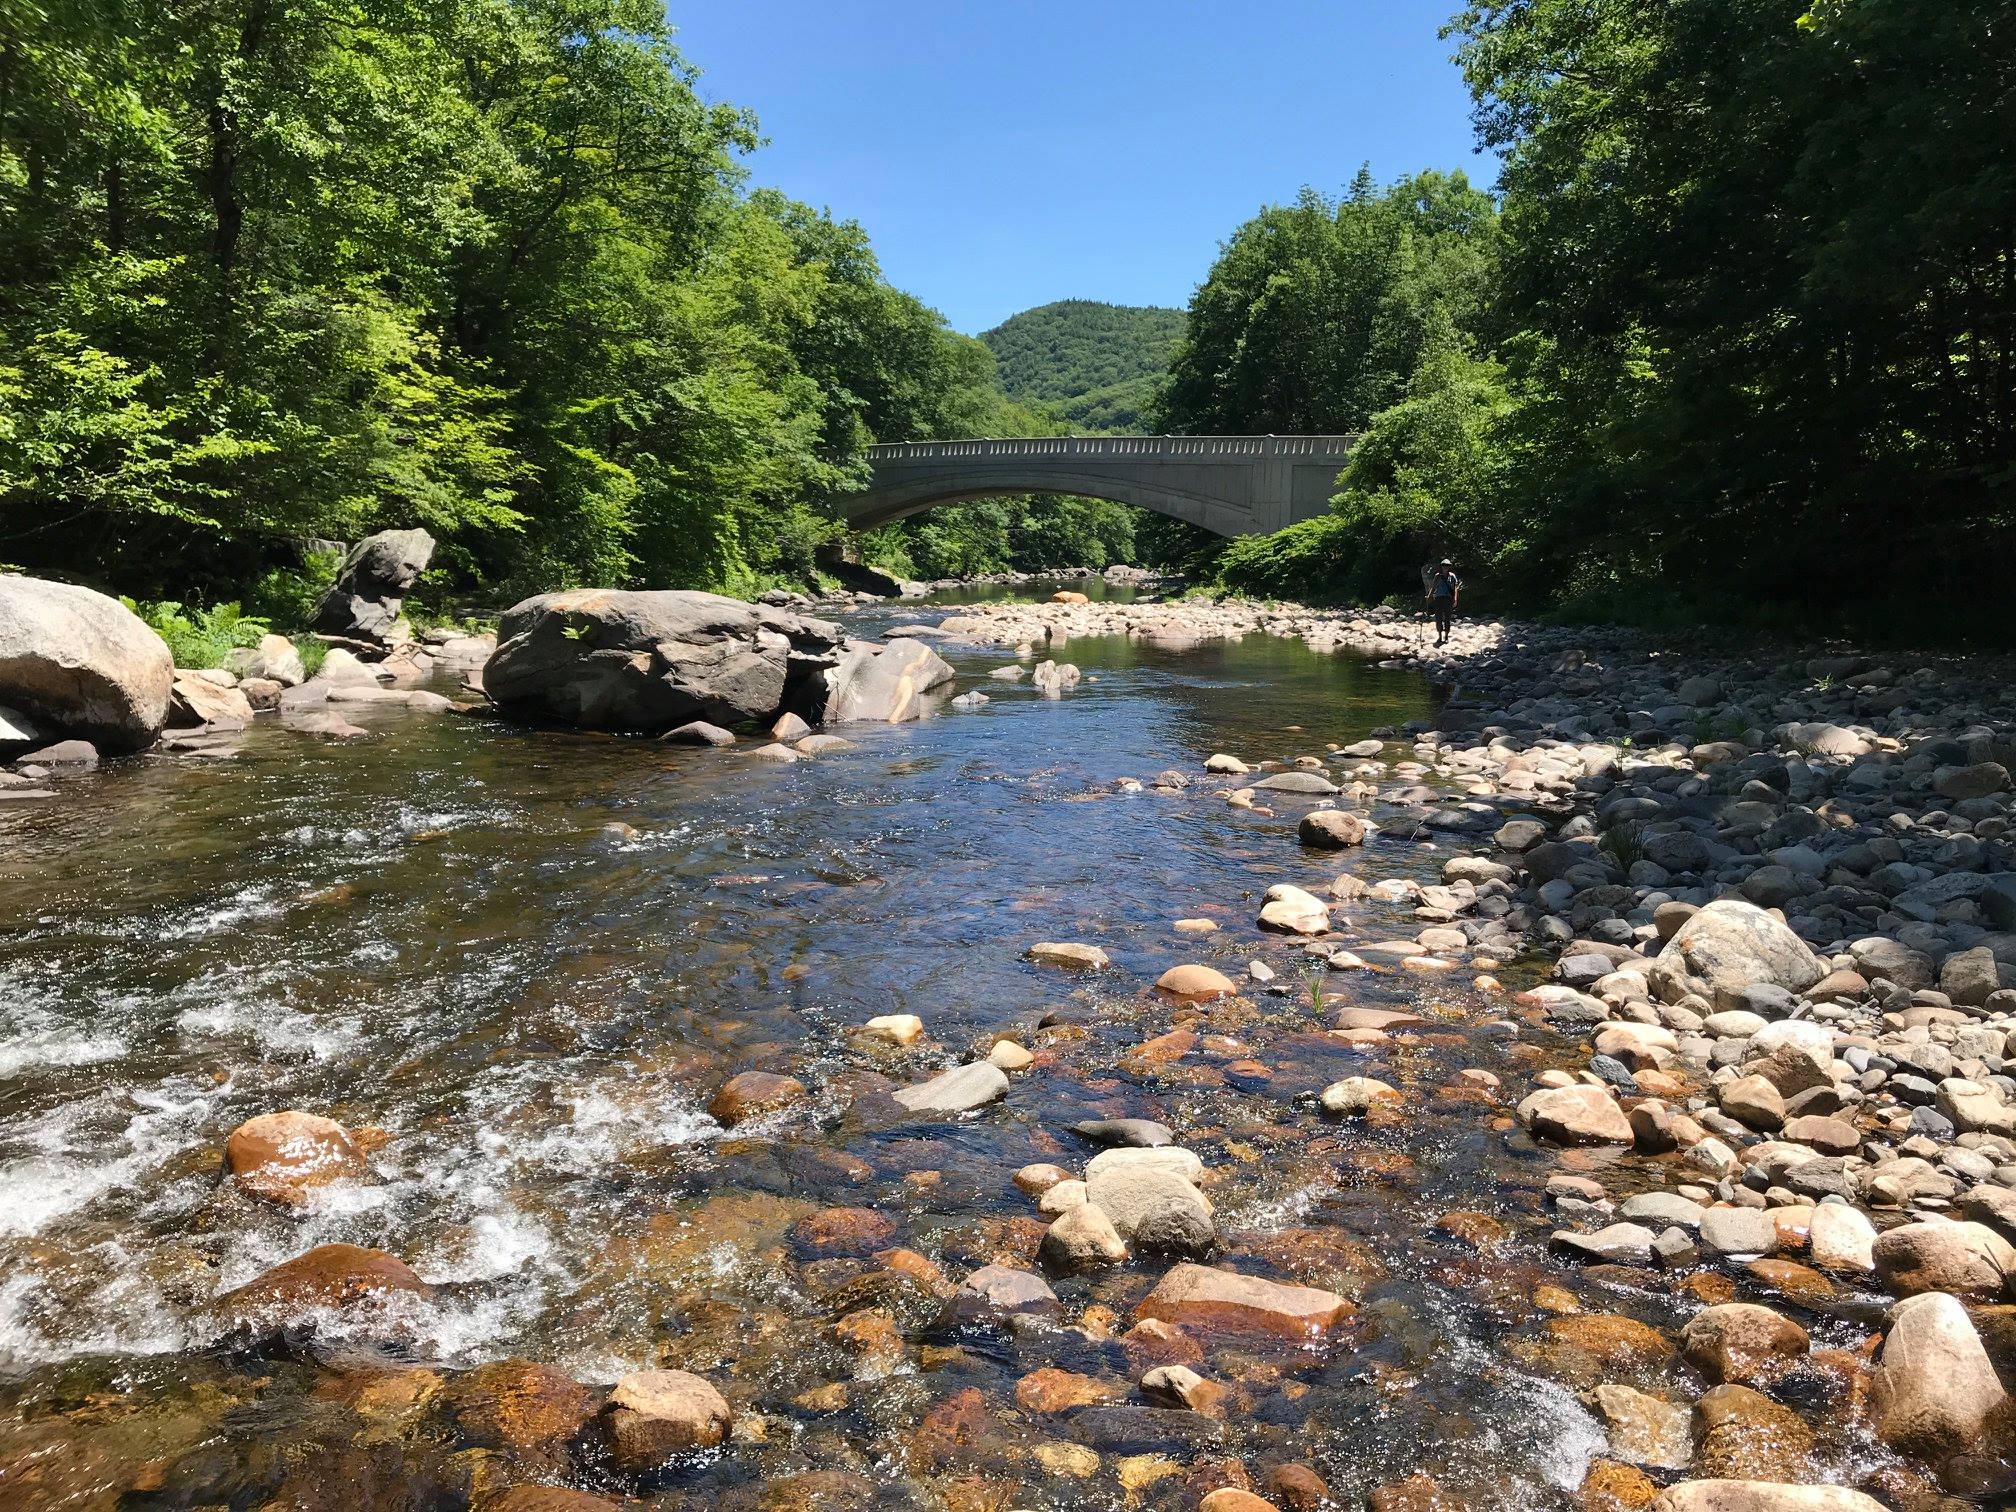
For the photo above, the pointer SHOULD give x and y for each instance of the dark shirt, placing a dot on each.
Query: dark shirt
(1444, 585)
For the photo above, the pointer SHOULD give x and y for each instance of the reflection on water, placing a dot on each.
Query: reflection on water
(432, 934)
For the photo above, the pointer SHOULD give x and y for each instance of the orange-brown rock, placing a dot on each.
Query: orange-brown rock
(1801, 1283)
(1586, 1348)
(817, 1491)
(844, 1231)
(528, 1410)
(655, 1414)
(283, 1157)
(1203, 1298)
(1417, 1493)
(1478, 1230)
(1233, 1499)
(1153, 1342)
(1050, 1390)
(1611, 1487)
(1743, 1435)
(869, 1333)
(330, 1275)
(1200, 983)
(1298, 1488)
(1743, 1343)
(543, 1499)
(749, 1093)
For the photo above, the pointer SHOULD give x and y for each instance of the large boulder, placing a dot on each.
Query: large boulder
(76, 663)
(614, 660)
(365, 601)
(884, 683)
(1728, 946)
(1964, 1259)
(1934, 1389)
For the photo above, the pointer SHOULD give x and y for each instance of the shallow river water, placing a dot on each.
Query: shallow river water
(432, 934)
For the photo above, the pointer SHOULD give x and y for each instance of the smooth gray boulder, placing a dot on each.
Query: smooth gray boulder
(79, 664)
(649, 661)
(274, 659)
(1727, 946)
(369, 593)
(886, 684)
(959, 1090)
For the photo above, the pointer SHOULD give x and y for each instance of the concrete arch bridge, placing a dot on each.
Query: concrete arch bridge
(1233, 485)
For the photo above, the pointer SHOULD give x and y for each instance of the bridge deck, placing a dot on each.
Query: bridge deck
(1234, 485)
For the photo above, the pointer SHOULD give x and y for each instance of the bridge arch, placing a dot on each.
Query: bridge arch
(1233, 485)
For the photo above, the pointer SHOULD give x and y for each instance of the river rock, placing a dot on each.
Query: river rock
(1004, 1288)
(959, 1090)
(1728, 946)
(1965, 1259)
(1355, 1096)
(1069, 953)
(1579, 1115)
(749, 1093)
(1645, 1430)
(1152, 1208)
(275, 658)
(1193, 981)
(1743, 1343)
(1081, 1238)
(697, 732)
(328, 1276)
(1841, 1238)
(1288, 909)
(1761, 1496)
(198, 700)
(1331, 829)
(1934, 1389)
(525, 1411)
(365, 601)
(1302, 784)
(649, 661)
(1206, 1299)
(284, 1157)
(1133, 1133)
(78, 664)
(884, 684)
(655, 1414)
(1737, 1231)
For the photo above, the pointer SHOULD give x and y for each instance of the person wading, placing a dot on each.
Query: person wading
(1443, 589)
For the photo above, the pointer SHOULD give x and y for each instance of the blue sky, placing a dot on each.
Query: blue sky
(1005, 153)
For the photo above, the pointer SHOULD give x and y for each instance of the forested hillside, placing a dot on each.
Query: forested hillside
(1095, 366)
(269, 273)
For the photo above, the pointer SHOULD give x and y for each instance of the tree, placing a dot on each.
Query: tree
(1759, 260)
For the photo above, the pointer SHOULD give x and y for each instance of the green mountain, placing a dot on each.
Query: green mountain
(1093, 365)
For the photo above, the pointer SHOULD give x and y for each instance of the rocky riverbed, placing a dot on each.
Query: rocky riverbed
(1225, 1076)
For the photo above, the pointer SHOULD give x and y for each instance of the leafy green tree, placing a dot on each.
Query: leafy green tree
(1758, 271)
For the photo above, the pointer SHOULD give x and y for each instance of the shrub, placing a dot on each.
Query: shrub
(200, 637)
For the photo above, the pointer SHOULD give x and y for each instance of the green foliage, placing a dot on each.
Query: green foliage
(1305, 562)
(1315, 315)
(277, 272)
(1758, 259)
(1079, 355)
(200, 637)
(286, 596)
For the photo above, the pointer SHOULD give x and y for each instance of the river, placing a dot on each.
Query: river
(435, 934)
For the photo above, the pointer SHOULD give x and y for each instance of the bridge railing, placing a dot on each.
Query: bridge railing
(1136, 448)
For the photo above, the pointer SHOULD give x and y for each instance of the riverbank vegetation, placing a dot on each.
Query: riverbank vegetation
(275, 275)
(1735, 342)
